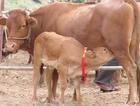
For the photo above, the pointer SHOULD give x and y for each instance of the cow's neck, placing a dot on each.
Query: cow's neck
(35, 31)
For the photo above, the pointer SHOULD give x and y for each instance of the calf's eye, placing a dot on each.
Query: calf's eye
(23, 27)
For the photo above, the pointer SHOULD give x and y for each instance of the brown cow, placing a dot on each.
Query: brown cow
(65, 54)
(92, 25)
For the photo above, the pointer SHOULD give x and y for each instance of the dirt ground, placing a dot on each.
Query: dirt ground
(16, 89)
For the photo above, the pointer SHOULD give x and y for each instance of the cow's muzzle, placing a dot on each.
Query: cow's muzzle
(10, 47)
(5, 52)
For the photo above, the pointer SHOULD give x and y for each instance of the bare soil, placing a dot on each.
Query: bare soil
(16, 89)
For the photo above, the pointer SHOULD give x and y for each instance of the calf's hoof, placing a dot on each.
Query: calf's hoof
(74, 98)
(61, 103)
(50, 99)
(82, 104)
(34, 99)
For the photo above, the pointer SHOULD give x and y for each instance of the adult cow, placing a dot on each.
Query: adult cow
(113, 24)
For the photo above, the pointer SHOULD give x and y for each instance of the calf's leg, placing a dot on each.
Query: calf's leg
(36, 77)
(49, 73)
(74, 95)
(62, 70)
(77, 90)
(55, 81)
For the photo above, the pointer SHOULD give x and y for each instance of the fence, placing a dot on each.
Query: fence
(30, 67)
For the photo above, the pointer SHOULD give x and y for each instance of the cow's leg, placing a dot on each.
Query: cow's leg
(131, 73)
(130, 67)
(30, 59)
(138, 75)
(55, 80)
(36, 77)
(119, 41)
(138, 78)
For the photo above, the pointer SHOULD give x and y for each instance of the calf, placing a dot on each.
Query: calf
(65, 54)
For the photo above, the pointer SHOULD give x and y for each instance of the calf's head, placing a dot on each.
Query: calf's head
(98, 57)
(18, 25)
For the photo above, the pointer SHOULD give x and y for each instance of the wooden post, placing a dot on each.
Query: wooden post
(1, 30)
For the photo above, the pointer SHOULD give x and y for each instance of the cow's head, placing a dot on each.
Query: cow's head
(18, 25)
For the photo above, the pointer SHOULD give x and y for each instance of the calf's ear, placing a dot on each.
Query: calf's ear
(90, 54)
(32, 21)
(2, 20)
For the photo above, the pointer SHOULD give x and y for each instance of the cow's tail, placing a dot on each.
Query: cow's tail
(137, 32)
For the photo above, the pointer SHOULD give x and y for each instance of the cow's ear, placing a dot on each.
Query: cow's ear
(32, 21)
(3, 20)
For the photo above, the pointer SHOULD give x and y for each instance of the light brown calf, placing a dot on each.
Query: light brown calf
(65, 54)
